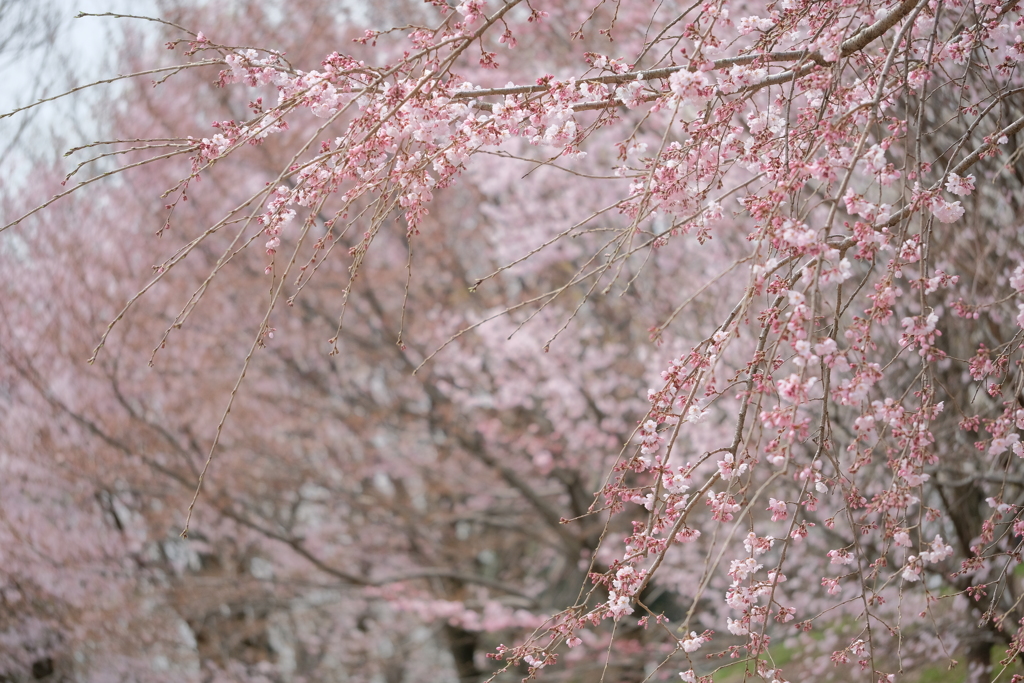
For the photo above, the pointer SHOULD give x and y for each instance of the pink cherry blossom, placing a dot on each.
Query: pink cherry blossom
(629, 315)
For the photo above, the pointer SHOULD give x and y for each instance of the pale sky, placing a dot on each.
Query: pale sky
(79, 54)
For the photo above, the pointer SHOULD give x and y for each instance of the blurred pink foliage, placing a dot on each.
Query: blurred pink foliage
(664, 341)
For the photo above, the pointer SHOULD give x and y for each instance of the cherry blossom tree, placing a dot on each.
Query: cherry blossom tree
(463, 585)
(812, 210)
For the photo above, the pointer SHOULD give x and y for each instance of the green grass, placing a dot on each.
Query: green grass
(940, 672)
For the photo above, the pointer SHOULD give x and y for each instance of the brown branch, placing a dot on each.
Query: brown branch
(858, 42)
(968, 161)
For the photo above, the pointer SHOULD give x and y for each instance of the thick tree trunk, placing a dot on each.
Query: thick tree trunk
(979, 658)
(463, 645)
(964, 505)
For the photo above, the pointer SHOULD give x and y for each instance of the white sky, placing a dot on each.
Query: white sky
(80, 54)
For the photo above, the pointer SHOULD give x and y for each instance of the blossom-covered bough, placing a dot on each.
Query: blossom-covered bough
(837, 465)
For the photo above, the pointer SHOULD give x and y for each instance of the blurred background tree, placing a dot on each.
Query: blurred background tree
(395, 498)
